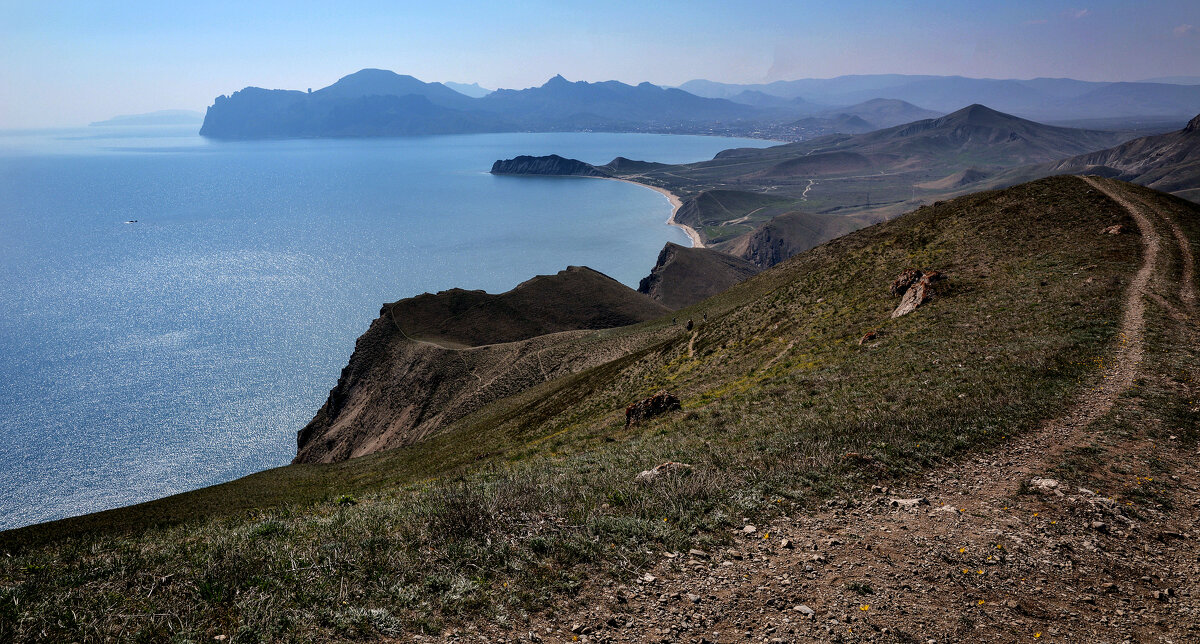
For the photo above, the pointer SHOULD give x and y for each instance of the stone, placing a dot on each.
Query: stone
(805, 611)
(698, 553)
(656, 405)
(1044, 484)
(749, 529)
(908, 503)
(919, 293)
(904, 281)
(1114, 230)
(662, 469)
(870, 335)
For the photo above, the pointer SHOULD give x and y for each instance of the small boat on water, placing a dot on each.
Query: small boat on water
(131, 221)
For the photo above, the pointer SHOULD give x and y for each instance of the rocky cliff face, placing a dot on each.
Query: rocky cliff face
(684, 276)
(432, 359)
(552, 165)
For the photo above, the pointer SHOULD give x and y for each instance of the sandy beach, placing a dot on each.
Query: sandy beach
(676, 203)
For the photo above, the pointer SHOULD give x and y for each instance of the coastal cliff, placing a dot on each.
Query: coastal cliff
(552, 165)
(429, 360)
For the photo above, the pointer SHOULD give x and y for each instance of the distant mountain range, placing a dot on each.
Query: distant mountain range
(161, 117)
(1038, 98)
(375, 102)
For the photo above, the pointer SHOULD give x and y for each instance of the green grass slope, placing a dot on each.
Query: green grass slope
(534, 493)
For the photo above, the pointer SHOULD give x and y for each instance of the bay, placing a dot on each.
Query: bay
(138, 360)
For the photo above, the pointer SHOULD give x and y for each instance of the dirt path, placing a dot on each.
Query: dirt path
(392, 317)
(989, 549)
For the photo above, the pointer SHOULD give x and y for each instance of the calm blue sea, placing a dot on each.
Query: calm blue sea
(142, 359)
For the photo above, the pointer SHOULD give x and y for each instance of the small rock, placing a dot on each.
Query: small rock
(785, 544)
(670, 467)
(698, 553)
(1114, 230)
(649, 578)
(749, 529)
(1044, 484)
(695, 599)
(806, 611)
(1100, 526)
(908, 503)
(870, 335)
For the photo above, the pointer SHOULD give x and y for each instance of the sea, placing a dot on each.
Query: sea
(174, 309)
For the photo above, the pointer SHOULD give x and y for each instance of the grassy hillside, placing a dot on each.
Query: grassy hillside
(533, 494)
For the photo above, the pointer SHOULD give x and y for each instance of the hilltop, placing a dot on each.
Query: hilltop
(431, 359)
(685, 276)
(1051, 350)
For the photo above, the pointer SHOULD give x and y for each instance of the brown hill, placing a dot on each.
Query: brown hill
(429, 360)
(576, 298)
(684, 276)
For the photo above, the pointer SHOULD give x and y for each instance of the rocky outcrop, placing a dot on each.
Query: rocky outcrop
(684, 276)
(552, 165)
(656, 405)
(921, 287)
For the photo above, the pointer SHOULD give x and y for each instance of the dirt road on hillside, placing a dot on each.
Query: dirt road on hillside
(990, 549)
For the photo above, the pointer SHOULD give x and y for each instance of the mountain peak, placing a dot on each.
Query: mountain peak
(976, 111)
(1193, 125)
(557, 81)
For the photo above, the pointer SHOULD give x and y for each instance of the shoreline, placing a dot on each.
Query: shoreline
(676, 204)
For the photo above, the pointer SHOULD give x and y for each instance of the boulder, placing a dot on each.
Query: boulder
(1114, 230)
(917, 294)
(660, 403)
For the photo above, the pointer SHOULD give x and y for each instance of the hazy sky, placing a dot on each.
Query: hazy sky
(70, 62)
